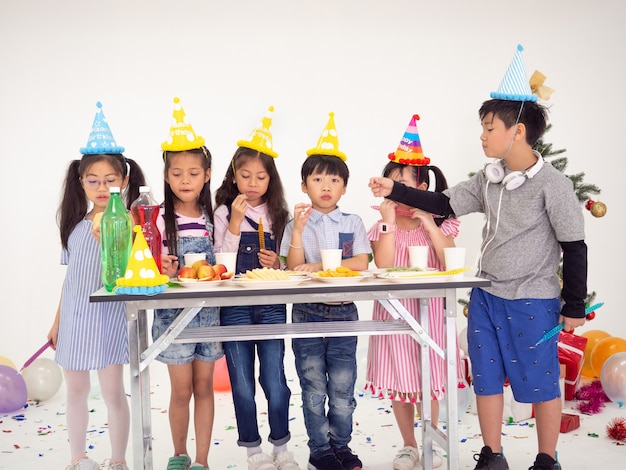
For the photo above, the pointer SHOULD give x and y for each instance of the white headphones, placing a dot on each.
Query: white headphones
(495, 173)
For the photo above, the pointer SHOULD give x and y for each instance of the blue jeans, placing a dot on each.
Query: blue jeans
(326, 368)
(240, 357)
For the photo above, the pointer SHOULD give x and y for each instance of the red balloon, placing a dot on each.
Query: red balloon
(221, 379)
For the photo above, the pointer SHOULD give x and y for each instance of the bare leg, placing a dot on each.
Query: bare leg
(548, 420)
(204, 408)
(490, 408)
(181, 381)
(405, 417)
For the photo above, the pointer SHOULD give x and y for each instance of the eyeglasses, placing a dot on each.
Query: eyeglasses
(94, 183)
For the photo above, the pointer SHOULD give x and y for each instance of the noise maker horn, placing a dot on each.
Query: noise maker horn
(261, 234)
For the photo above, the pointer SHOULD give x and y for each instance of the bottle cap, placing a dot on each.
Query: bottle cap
(114, 189)
(144, 189)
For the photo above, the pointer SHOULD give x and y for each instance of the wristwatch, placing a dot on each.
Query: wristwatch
(384, 227)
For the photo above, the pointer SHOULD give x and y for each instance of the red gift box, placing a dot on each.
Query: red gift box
(569, 422)
(572, 355)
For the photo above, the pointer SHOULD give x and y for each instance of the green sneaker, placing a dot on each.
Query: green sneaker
(179, 462)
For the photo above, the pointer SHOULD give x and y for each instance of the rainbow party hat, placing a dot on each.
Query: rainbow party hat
(182, 137)
(261, 138)
(409, 151)
(515, 85)
(101, 141)
(328, 143)
(142, 274)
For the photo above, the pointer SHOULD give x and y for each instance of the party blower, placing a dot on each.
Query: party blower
(549, 334)
(30, 360)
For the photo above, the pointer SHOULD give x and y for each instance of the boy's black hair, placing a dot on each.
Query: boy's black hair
(533, 115)
(325, 164)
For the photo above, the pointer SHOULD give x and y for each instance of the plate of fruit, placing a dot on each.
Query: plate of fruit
(201, 274)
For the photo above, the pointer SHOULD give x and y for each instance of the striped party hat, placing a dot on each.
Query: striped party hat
(409, 152)
(515, 85)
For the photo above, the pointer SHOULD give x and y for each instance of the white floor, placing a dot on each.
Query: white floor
(39, 440)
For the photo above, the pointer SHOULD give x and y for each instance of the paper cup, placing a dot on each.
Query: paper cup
(455, 258)
(331, 259)
(191, 258)
(227, 259)
(418, 257)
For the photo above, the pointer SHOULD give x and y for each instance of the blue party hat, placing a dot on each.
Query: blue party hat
(515, 85)
(101, 139)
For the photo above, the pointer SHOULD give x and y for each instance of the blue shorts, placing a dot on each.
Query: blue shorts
(501, 337)
(184, 353)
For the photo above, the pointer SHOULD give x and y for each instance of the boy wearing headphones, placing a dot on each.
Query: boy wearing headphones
(532, 215)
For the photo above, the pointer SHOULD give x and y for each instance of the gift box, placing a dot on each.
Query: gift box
(571, 354)
(569, 422)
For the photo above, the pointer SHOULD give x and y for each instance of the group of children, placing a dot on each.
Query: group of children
(505, 320)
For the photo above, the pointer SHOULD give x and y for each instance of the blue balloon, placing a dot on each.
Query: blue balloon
(12, 390)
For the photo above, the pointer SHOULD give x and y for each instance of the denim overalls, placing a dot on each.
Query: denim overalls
(184, 353)
(240, 356)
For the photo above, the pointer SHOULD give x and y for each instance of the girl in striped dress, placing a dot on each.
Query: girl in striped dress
(393, 361)
(92, 336)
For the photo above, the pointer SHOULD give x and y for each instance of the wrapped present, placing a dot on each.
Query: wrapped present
(571, 354)
(569, 422)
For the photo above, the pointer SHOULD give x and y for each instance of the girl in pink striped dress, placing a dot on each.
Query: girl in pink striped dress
(393, 361)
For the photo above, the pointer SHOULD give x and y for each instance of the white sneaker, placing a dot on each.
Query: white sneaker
(108, 465)
(84, 464)
(437, 455)
(406, 458)
(261, 461)
(285, 461)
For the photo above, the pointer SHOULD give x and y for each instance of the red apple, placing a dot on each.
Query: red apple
(206, 271)
(220, 269)
(227, 275)
(187, 272)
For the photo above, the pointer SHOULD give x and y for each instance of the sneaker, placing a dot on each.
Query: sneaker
(285, 461)
(349, 460)
(487, 460)
(179, 462)
(406, 458)
(325, 460)
(108, 465)
(84, 464)
(438, 454)
(198, 465)
(545, 462)
(261, 461)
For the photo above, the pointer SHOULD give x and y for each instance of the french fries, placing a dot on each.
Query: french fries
(267, 274)
(341, 271)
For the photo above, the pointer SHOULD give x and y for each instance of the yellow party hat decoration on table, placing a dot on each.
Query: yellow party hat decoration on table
(182, 136)
(142, 274)
(328, 143)
(261, 138)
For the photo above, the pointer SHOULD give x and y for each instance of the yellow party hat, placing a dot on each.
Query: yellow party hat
(182, 137)
(328, 143)
(142, 274)
(261, 138)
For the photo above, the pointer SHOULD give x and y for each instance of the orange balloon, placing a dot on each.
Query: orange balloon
(603, 350)
(221, 379)
(593, 337)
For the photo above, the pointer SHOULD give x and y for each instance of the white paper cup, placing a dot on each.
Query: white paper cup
(418, 257)
(191, 258)
(454, 258)
(227, 259)
(331, 259)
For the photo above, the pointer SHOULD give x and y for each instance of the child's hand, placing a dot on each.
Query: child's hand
(387, 211)
(238, 209)
(269, 259)
(169, 265)
(381, 187)
(96, 233)
(308, 267)
(301, 215)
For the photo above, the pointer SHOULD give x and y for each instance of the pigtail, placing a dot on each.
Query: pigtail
(73, 203)
(441, 183)
(136, 179)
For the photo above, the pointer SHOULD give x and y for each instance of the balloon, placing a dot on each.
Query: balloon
(43, 379)
(593, 336)
(613, 378)
(5, 361)
(221, 380)
(12, 390)
(463, 341)
(603, 350)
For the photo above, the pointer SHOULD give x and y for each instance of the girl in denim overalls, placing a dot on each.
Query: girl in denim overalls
(252, 192)
(186, 226)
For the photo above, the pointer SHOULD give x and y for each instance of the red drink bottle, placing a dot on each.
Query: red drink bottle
(145, 211)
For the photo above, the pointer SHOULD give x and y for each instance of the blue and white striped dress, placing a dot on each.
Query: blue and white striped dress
(91, 335)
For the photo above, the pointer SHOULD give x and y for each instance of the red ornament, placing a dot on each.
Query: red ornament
(589, 203)
(616, 429)
(591, 315)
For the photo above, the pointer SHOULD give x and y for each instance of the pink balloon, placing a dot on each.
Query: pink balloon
(12, 390)
(613, 378)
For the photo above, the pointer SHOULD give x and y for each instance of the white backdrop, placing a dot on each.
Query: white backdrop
(373, 63)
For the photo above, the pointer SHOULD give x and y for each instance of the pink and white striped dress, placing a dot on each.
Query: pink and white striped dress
(393, 361)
